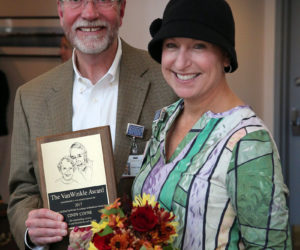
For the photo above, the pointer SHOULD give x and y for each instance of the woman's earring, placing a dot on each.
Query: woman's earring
(228, 69)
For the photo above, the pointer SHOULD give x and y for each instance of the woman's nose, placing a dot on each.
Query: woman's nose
(183, 59)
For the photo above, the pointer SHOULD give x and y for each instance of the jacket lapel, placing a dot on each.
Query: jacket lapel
(133, 89)
(60, 99)
(132, 93)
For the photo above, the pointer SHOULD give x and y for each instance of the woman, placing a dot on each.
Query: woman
(211, 160)
(66, 167)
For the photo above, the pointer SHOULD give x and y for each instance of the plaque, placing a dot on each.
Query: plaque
(77, 174)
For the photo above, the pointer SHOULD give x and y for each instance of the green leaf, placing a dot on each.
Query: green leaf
(168, 247)
(121, 213)
(107, 230)
(115, 211)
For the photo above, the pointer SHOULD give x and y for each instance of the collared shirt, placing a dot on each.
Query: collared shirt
(95, 105)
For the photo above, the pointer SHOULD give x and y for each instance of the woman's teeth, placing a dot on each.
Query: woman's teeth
(186, 76)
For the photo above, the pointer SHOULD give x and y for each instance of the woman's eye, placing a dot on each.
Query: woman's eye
(199, 46)
(170, 45)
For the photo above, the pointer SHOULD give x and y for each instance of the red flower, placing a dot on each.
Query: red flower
(143, 219)
(102, 242)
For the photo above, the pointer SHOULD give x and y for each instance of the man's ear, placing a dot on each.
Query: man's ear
(122, 10)
(60, 11)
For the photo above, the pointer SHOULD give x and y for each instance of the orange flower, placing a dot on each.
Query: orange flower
(120, 241)
(115, 221)
(163, 234)
(116, 204)
(165, 216)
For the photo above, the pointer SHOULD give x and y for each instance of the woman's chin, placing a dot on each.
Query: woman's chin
(184, 94)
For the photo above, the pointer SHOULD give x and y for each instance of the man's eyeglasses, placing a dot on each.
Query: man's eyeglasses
(99, 3)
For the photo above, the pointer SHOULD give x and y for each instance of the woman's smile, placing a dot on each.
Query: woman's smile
(186, 77)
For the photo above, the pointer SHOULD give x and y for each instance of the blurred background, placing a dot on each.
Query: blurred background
(268, 50)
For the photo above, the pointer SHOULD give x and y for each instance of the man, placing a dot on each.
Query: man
(106, 82)
(83, 164)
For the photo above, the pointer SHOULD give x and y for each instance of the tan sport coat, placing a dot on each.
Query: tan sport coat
(43, 107)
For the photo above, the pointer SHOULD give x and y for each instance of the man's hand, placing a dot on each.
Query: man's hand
(45, 226)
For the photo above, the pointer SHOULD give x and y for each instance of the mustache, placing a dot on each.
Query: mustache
(85, 23)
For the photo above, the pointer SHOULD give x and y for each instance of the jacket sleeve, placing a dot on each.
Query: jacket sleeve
(23, 187)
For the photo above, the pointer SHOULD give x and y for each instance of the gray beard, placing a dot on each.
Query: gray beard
(94, 47)
(90, 44)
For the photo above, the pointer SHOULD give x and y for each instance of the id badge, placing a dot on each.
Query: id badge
(133, 166)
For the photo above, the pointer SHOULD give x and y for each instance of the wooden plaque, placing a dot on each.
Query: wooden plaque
(77, 174)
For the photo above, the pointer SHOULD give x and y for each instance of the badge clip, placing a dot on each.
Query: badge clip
(134, 131)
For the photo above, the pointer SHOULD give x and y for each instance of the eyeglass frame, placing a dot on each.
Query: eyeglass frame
(86, 1)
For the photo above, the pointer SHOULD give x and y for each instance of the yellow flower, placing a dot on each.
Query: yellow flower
(142, 201)
(92, 246)
(96, 227)
(174, 224)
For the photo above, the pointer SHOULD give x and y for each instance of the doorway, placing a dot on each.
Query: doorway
(287, 99)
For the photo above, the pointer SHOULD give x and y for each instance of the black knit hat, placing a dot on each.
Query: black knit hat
(206, 20)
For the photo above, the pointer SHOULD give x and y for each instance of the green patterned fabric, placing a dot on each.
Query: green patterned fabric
(223, 182)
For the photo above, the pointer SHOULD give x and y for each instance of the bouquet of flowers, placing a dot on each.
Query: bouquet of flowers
(146, 226)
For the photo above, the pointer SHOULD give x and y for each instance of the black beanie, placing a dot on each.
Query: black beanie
(206, 20)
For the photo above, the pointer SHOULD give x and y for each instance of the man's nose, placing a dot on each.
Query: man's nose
(90, 10)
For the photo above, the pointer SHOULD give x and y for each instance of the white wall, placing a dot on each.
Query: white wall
(138, 16)
(247, 81)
